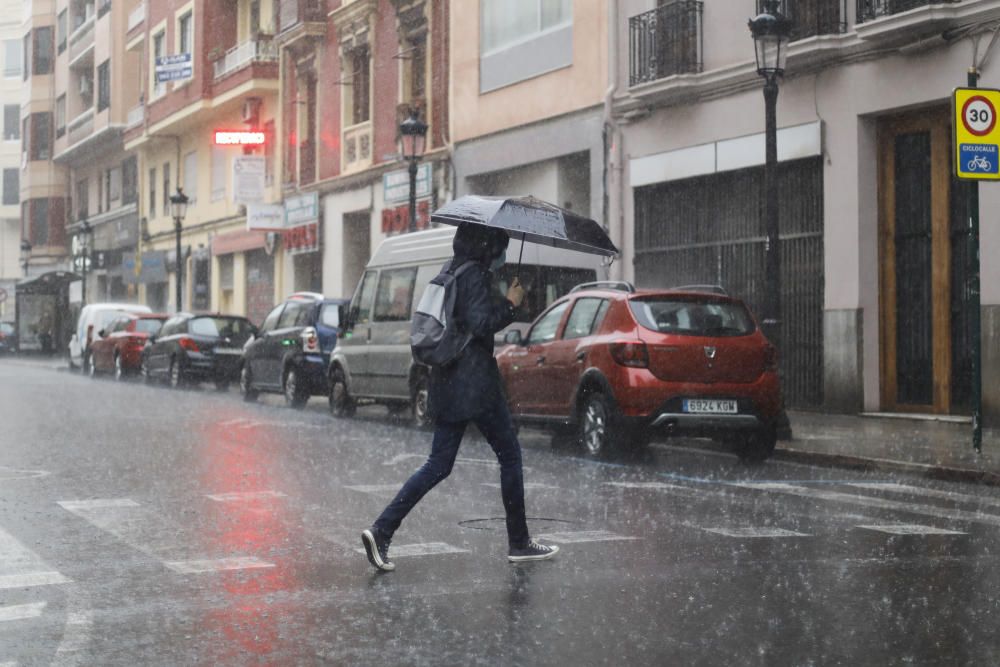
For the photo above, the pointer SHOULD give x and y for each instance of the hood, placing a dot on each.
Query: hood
(479, 243)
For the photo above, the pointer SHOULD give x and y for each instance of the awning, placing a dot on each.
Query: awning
(241, 241)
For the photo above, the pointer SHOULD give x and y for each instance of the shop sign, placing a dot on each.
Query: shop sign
(239, 138)
(977, 134)
(265, 217)
(151, 268)
(174, 68)
(301, 239)
(396, 184)
(301, 209)
(397, 220)
(248, 179)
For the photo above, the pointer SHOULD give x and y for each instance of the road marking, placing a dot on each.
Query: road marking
(911, 529)
(377, 489)
(148, 532)
(216, 565)
(254, 423)
(18, 612)
(424, 549)
(243, 496)
(651, 486)
(931, 493)
(870, 501)
(8, 664)
(580, 536)
(527, 485)
(399, 458)
(13, 473)
(21, 567)
(755, 532)
(76, 633)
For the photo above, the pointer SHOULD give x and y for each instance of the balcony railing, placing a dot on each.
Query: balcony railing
(293, 12)
(358, 146)
(81, 127)
(82, 39)
(869, 10)
(136, 17)
(245, 53)
(665, 41)
(813, 17)
(135, 116)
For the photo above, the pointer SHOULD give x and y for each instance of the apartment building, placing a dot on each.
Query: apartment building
(872, 222)
(352, 71)
(10, 153)
(202, 121)
(529, 86)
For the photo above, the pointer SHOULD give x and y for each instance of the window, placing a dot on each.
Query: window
(330, 315)
(40, 221)
(41, 136)
(185, 31)
(130, 180)
(218, 179)
(226, 274)
(113, 183)
(12, 57)
(394, 295)
(414, 55)
(271, 321)
(191, 176)
(82, 199)
(61, 31)
(583, 319)
(11, 122)
(545, 329)
(293, 313)
(159, 41)
(61, 115)
(692, 318)
(166, 188)
(506, 23)
(26, 56)
(42, 54)
(361, 305)
(152, 192)
(11, 187)
(358, 60)
(104, 85)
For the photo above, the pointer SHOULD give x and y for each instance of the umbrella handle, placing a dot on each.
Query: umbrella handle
(520, 255)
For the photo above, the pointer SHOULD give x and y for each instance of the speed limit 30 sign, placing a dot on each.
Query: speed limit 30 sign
(977, 136)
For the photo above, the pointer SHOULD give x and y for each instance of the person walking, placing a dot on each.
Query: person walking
(469, 390)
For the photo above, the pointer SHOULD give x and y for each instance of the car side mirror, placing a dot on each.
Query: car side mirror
(513, 337)
(151, 339)
(103, 333)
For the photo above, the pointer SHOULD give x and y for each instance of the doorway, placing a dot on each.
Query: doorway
(922, 267)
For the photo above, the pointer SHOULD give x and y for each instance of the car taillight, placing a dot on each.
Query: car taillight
(633, 355)
(310, 340)
(770, 358)
(188, 344)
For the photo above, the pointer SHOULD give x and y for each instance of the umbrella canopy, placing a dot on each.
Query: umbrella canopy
(529, 219)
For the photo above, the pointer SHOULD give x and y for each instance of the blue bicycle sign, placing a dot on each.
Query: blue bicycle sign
(979, 163)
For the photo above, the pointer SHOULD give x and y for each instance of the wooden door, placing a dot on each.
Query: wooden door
(915, 266)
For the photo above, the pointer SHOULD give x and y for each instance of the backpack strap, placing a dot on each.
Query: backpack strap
(457, 271)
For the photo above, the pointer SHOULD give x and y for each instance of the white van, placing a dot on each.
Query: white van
(372, 361)
(93, 318)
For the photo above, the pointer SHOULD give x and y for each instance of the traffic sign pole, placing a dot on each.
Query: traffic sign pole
(972, 292)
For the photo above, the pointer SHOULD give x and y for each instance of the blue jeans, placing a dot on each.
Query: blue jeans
(495, 424)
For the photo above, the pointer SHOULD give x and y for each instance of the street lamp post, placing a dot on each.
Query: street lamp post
(771, 32)
(25, 255)
(412, 138)
(178, 209)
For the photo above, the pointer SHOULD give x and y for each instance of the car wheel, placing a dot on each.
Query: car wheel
(247, 390)
(596, 429)
(757, 447)
(120, 374)
(342, 405)
(175, 374)
(144, 372)
(421, 403)
(90, 366)
(295, 395)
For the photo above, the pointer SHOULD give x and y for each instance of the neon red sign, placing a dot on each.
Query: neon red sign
(239, 138)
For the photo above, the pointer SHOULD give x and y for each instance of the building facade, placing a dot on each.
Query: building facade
(873, 243)
(10, 154)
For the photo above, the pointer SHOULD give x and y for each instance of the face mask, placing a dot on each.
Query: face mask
(498, 262)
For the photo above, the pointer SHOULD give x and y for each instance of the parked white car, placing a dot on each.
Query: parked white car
(93, 319)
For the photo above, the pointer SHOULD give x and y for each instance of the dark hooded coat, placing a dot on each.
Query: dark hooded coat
(471, 384)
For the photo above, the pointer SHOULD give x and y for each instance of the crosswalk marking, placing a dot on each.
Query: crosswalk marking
(755, 532)
(147, 531)
(424, 549)
(911, 529)
(18, 612)
(21, 567)
(652, 486)
(527, 486)
(377, 489)
(930, 493)
(580, 536)
(869, 501)
(243, 496)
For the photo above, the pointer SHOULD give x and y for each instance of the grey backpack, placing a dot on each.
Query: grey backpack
(435, 339)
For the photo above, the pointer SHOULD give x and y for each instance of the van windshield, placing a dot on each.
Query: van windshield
(692, 318)
(542, 286)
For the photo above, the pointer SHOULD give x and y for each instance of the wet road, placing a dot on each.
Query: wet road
(140, 525)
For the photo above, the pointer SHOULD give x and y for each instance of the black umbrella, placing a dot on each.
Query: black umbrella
(529, 219)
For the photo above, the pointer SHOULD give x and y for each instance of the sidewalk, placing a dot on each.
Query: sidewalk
(931, 448)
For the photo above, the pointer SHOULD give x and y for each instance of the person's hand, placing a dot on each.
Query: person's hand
(515, 294)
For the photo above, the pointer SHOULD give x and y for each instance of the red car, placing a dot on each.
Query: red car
(617, 365)
(119, 348)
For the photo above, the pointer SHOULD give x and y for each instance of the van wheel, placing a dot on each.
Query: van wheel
(295, 395)
(342, 406)
(421, 403)
(91, 367)
(247, 390)
(85, 365)
(757, 447)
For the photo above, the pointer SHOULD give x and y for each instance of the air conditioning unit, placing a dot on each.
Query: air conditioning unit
(251, 110)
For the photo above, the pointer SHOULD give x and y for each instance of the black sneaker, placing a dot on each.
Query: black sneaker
(377, 549)
(532, 551)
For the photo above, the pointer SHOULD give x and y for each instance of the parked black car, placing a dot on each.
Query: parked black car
(197, 348)
(8, 337)
(291, 352)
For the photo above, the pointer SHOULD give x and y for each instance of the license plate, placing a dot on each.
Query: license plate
(710, 406)
(228, 350)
